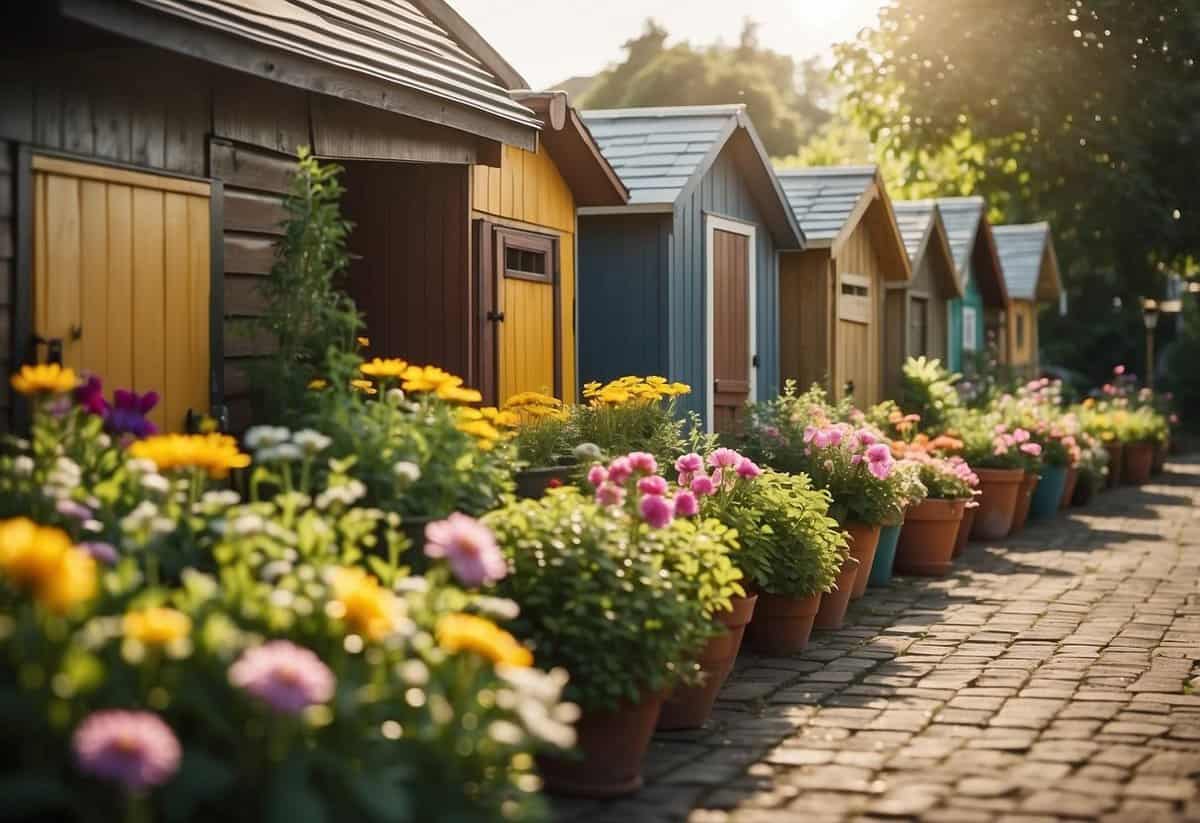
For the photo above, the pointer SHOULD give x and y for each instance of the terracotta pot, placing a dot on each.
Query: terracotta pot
(832, 613)
(690, 707)
(863, 542)
(1024, 500)
(997, 500)
(781, 624)
(533, 483)
(1115, 453)
(964, 529)
(1136, 463)
(612, 745)
(927, 540)
(1048, 492)
(1069, 486)
(885, 556)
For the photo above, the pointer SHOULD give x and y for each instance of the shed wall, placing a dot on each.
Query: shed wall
(858, 255)
(895, 339)
(805, 315)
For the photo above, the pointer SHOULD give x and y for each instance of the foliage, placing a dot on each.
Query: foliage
(305, 315)
(542, 429)
(784, 110)
(1182, 376)
(631, 414)
(943, 478)
(928, 390)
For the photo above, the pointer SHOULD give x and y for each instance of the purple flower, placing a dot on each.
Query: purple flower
(102, 552)
(90, 396)
(135, 749)
(748, 469)
(654, 484)
(610, 494)
(703, 486)
(69, 508)
(689, 463)
(724, 458)
(643, 462)
(657, 511)
(287, 677)
(128, 413)
(619, 470)
(468, 546)
(879, 460)
(596, 475)
(686, 504)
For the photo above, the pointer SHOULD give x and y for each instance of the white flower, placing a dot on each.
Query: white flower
(414, 672)
(220, 499)
(346, 493)
(275, 569)
(23, 465)
(414, 585)
(155, 482)
(505, 733)
(311, 441)
(394, 397)
(282, 453)
(540, 724)
(140, 517)
(103, 440)
(545, 687)
(501, 608)
(260, 437)
(407, 472)
(248, 524)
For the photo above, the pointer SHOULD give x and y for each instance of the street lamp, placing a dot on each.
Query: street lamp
(1150, 318)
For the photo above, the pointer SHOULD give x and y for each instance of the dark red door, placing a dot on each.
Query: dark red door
(731, 328)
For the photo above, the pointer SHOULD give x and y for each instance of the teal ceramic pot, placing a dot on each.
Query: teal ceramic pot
(1048, 492)
(885, 556)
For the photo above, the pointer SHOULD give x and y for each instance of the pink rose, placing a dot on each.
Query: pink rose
(689, 463)
(654, 484)
(686, 504)
(643, 462)
(620, 470)
(656, 510)
(703, 486)
(596, 475)
(747, 469)
(610, 494)
(1031, 449)
(724, 459)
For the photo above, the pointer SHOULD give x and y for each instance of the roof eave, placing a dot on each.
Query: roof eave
(471, 40)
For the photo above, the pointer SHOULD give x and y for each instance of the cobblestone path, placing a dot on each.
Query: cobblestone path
(1047, 679)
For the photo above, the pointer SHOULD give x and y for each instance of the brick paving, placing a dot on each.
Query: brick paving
(1053, 676)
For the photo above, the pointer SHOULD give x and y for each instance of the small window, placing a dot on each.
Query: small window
(525, 261)
(1020, 331)
(852, 290)
(854, 298)
(970, 329)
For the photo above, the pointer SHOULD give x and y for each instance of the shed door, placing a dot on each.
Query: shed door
(521, 298)
(121, 277)
(918, 327)
(854, 337)
(732, 326)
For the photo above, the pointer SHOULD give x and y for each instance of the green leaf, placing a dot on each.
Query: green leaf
(201, 778)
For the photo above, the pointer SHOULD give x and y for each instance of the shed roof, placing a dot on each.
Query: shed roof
(421, 47)
(925, 235)
(1030, 264)
(661, 154)
(971, 240)
(829, 201)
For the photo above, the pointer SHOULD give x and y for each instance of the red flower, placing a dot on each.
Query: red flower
(553, 483)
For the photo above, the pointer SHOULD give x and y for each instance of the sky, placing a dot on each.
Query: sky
(551, 40)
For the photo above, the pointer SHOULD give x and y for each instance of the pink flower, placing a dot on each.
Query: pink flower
(856, 459)
(717, 478)
(643, 462)
(287, 677)
(835, 436)
(686, 504)
(1118, 370)
(1031, 449)
(689, 463)
(610, 494)
(657, 511)
(772, 433)
(654, 484)
(596, 475)
(1020, 436)
(824, 438)
(748, 469)
(619, 470)
(809, 433)
(134, 749)
(865, 437)
(879, 460)
(724, 459)
(1000, 428)
(703, 486)
(468, 546)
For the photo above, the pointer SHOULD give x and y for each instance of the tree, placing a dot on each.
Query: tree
(787, 103)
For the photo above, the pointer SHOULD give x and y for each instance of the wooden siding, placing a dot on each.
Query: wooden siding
(528, 192)
(723, 193)
(1023, 351)
(858, 358)
(121, 276)
(806, 309)
(624, 261)
(895, 339)
(731, 328)
(897, 317)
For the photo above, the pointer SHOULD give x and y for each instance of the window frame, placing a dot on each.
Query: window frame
(969, 341)
(854, 307)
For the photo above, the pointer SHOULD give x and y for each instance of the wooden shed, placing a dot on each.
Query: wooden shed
(979, 315)
(144, 148)
(916, 314)
(1031, 276)
(683, 281)
(831, 307)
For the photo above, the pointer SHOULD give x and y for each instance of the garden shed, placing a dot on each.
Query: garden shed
(142, 178)
(831, 310)
(683, 281)
(916, 314)
(1031, 276)
(980, 313)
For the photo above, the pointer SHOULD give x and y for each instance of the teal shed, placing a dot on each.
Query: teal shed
(981, 309)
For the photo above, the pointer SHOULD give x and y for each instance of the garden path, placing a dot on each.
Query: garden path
(1046, 679)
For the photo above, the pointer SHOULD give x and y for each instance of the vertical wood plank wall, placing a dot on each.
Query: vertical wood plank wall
(895, 340)
(806, 310)
(529, 192)
(858, 256)
(1024, 357)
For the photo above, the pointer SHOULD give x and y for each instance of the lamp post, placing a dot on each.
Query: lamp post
(1150, 318)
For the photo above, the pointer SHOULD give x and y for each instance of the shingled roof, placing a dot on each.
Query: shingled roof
(924, 233)
(661, 154)
(971, 241)
(1030, 264)
(823, 198)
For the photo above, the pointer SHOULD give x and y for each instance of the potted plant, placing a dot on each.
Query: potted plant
(632, 414)
(997, 459)
(620, 602)
(1141, 432)
(542, 441)
(1092, 467)
(932, 526)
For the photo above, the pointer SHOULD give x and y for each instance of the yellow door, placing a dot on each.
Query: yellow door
(121, 276)
(527, 339)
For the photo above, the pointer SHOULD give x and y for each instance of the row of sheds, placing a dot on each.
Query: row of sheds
(146, 145)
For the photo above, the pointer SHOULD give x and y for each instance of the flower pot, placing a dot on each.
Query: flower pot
(863, 542)
(1136, 462)
(885, 555)
(832, 613)
(1024, 499)
(533, 483)
(1048, 492)
(927, 540)
(1069, 486)
(689, 707)
(1115, 453)
(964, 528)
(1161, 451)
(997, 500)
(1084, 489)
(782, 624)
(612, 745)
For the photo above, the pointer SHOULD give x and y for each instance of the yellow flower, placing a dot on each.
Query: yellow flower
(498, 417)
(590, 389)
(485, 433)
(157, 626)
(365, 342)
(216, 453)
(365, 606)
(427, 378)
(452, 393)
(364, 386)
(317, 383)
(44, 378)
(41, 560)
(466, 632)
(379, 367)
(532, 398)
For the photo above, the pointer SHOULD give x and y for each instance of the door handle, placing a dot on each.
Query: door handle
(496, 316)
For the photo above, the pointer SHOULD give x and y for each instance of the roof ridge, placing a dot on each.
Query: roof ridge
(815, 171)
(665, 111)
